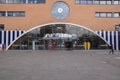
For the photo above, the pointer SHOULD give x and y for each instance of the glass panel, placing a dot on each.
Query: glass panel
(10, 1)
(102, 2)
(2, 1)
(57, 36)
(109, 14)
(23, 1)
(103, 14)
(9, 13)
(109, 1)
(83, 2)
(1, 26)
(30, 1)
(96, 2)
(116, 15)
(40, 1)
(89, 1)
(2, 13)
(97, 14)
(22, 13)
(77, 1)
(116, 1)
(16, 1)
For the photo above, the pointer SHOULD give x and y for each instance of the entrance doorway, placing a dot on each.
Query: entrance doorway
(55, 36)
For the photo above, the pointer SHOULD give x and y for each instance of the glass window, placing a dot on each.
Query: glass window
(116, 1)
(10, 1)
(1, 26)
(97, 14)
(9, 13)
(15, 13)
(2, 13)
(109, 14)
(22, 13)
(30, 1)
(12, 13)
(77, 1)
(102, 1)
(40, 1)
(16, 1)
(102, 14)
(89, 1)
(83, 2)
(116, 15)
(109, 2)
(57, 35)
(2, 1)
(96, 1)
(36, 1)
(22, 1)
(119, 2)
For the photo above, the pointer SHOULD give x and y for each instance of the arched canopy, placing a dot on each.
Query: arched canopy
(59, 32)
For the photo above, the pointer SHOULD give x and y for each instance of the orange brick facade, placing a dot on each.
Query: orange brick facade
(38, 14)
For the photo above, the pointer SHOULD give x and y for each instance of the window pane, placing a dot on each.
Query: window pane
(115, 1)
(109, 1)
(40, 1)
(16, 1)
(102, 2)
(77, 1)
(10, 13)
(83, 2)
(97, 14)
(2, 1)
(96, 1)
(90, 2)
(119, 2)
(1, 26)
(10, 1)
(22, 1)
(116, 15)
(22, 13)
(2, 13)
(30, 1)
(15, 13)
(102, 14)
(109, 14)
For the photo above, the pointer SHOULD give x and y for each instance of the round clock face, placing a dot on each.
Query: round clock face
(60, 10)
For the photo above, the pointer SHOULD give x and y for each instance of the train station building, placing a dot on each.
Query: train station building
(48, 24)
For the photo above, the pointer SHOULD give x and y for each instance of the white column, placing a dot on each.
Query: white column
(2, 37)
(6, 38)
(109, 37)
(116, 40)
(113, 39)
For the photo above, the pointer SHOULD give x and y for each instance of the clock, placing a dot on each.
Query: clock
(60, 10)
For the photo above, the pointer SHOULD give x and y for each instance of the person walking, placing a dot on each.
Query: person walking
(111, 49)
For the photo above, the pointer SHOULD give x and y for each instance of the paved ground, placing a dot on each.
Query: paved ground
(59, 65)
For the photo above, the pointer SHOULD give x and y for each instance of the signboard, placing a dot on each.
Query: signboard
(60, 36)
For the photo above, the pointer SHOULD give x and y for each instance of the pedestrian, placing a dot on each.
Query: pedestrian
(111, 49)
(85, 45)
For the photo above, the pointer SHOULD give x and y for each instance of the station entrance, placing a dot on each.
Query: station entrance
(57, 36)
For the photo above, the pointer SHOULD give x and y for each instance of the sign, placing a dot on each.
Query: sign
(60, 36)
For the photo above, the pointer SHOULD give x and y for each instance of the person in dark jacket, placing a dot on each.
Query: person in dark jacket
(111, 49)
